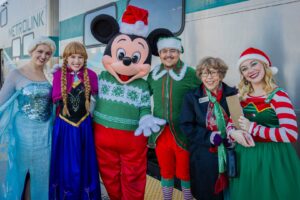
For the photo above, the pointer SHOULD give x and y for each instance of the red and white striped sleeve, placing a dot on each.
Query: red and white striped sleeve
(287, 130)
(230, 126)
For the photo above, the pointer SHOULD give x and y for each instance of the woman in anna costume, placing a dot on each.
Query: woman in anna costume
(74, 171)
(270, 169)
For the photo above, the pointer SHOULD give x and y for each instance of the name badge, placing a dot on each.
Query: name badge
(203, 99)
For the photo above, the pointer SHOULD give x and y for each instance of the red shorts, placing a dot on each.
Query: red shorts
(173, 160)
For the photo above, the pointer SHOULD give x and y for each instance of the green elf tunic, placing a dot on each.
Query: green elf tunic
(168, 89)
(271, 169)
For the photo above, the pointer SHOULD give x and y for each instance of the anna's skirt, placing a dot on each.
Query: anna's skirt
(74, 171)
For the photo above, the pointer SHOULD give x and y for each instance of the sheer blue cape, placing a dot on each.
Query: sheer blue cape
(11, 154)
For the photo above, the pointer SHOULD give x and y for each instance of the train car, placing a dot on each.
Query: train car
(219, 28)
(20, 23)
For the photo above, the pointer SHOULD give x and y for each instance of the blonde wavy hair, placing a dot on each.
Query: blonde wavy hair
(245, 87)
(74, 48)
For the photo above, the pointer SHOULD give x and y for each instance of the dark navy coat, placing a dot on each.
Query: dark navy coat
(203, 163)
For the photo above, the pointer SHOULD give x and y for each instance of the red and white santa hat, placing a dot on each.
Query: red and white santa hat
(134, 21)
(252, 53)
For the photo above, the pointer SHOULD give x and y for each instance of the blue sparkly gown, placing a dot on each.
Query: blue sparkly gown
(25, 136)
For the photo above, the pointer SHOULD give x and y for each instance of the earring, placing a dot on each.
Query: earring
(246, 82)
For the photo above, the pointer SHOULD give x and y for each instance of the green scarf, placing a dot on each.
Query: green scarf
(221, 127)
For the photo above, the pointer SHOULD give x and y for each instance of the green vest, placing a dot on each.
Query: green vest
(168, 89)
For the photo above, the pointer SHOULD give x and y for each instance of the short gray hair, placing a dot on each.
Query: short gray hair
(41, 40)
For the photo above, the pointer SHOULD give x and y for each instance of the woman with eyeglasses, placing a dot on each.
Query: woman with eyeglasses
(204, 116)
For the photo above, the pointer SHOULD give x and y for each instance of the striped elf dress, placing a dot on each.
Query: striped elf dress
(271, 169)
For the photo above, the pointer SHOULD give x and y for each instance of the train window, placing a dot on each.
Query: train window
(88, 38)
(3, 17)
(163, 14)
(16, 47)
(26, 41)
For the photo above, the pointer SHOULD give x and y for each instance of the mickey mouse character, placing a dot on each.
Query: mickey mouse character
(122, 116)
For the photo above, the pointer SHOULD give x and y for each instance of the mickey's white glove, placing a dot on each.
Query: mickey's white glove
(149, 124)
(55, 68)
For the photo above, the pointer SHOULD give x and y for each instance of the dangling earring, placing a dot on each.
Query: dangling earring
(246, 82)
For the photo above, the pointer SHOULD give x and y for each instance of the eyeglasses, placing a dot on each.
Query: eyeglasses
(212, 73)
(171, 51)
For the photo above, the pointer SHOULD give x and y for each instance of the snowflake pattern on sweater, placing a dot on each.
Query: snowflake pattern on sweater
(123, 93)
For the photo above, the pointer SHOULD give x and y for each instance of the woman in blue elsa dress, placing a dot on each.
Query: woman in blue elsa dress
(26, 125)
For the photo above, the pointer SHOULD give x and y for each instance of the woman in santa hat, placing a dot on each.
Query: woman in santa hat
(270, 168)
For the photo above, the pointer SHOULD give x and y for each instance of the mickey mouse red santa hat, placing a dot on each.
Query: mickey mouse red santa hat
(134, 21)
(253, 53)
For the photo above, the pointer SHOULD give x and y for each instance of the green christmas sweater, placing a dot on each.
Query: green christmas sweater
(120, 106)
(168, 88)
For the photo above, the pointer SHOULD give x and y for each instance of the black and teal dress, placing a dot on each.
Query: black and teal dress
(74, 170)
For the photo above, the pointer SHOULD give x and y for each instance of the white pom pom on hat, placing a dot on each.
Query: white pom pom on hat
(253, 53)
(134, 21)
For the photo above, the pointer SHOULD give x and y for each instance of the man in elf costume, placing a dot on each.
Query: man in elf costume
(169, 81)
(122, 114)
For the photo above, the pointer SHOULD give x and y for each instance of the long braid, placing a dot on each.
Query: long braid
(87, 87)
(64, 92)
(75, 48)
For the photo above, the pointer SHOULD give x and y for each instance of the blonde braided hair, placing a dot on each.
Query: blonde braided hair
(87, 87)
(74, 48)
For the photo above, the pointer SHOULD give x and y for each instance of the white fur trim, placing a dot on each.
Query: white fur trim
(252, 56)
(55, 68)
(156, 75)
(176, 77)
(169, 43)
(180, 75)
(139, 28)
(257, 57)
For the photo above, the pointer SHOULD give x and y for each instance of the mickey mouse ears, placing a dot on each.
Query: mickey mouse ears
(104, 27)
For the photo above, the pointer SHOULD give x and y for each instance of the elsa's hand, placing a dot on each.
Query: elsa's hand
(55, 68)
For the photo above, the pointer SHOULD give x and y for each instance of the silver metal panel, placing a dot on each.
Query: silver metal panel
(272, 26)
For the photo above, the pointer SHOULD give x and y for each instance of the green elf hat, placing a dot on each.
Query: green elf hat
(170, 42)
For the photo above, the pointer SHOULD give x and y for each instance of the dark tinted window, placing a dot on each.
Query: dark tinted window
(88, 38)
